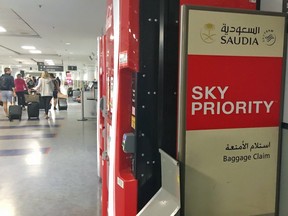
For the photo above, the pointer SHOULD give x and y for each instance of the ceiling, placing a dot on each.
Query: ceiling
(65, 31)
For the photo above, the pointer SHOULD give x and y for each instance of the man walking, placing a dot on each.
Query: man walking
(7, 88)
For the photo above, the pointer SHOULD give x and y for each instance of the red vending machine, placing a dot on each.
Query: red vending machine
(102, 122)
(104, 118)
(119, 59)
(128, 66)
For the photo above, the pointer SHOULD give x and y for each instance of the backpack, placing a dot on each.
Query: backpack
(30, 83)
(3, 83)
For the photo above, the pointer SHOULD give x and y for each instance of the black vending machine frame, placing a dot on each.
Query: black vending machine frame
(155, 87)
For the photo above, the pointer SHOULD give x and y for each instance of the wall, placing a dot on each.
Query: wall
(276, 6)
(268, 5)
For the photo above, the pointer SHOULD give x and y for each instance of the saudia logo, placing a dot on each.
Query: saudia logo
(208, 33)
(238, 35)
(269, 38)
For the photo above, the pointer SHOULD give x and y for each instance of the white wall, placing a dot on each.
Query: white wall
(271, 5)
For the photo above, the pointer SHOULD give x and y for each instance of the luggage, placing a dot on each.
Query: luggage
(33, 110)
(76, 94)
(15, 112)
(32, 98)
(62, 104)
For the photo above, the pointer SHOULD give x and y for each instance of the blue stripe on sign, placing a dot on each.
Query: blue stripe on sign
(17, 152)
(27, 136)
(28, 126)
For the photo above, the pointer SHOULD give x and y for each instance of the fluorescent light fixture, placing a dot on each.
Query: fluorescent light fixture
(68, 43)
(28, 47)
(2, 29)
(35, 51)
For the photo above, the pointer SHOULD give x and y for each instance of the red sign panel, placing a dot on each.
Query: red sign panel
(233, 92)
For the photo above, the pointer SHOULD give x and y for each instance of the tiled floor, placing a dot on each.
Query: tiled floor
(48, 167)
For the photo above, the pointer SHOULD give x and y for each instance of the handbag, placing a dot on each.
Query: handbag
(32, 98)
(60, 95)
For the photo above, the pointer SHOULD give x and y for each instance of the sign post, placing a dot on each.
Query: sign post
(230, 104)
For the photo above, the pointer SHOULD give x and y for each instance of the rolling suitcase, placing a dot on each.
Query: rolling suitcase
(33, 110)
(62, 104)
(15, 112)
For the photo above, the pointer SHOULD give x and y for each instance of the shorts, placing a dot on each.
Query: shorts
(55, 94)
(7, 96)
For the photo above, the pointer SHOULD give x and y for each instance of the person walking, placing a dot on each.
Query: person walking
(45, 87)
(7, 88)
(20, 89)
(30, 82)
(55, 91)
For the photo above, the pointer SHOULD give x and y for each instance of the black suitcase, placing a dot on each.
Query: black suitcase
(33, 110)
(15, 112)
(62, 104)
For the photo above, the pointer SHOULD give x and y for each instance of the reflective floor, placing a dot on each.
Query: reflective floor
(49, 167)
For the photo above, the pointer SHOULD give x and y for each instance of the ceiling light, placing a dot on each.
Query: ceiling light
(28, 47)
(2, 29)
(68, 43)
(35, 51)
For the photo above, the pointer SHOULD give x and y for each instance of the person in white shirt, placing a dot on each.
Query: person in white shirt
(45, 87)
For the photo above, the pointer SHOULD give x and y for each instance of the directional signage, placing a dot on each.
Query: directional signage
(42, 67)
(72, 68)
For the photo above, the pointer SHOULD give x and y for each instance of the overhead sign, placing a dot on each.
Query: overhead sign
(230, 103)
(42, 67)
(74, 68)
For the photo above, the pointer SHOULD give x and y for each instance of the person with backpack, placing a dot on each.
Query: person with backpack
(7, 89)
(30, 82)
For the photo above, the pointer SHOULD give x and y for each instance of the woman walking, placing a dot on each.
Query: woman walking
(45, 87)
(20, 89)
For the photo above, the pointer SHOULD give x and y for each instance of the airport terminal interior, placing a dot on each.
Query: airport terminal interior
(165, 108)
